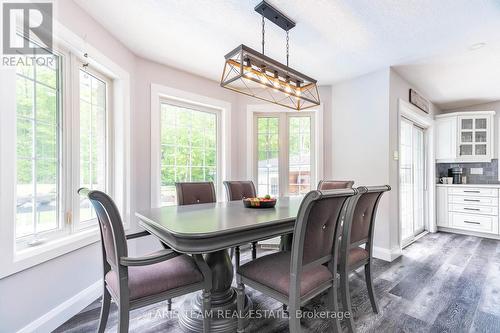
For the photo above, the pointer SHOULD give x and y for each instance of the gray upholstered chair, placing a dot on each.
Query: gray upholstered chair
(357, 231)
(324, 185)
(140, 281)
(237, 190)
(192, 193)
(296, 277)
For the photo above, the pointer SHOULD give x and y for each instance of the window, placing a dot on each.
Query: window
(38, 120)
(93, 128)
(189, 146)
(48, 172)
(285, 155)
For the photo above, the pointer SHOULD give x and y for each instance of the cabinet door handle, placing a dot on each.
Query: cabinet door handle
(471, 222)
(476, 209)
(472, 191)
(473, 200)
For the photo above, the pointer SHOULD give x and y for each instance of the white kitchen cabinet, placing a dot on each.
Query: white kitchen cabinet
(464, 137)
(442, 206)
(446, 138)
(468, 208)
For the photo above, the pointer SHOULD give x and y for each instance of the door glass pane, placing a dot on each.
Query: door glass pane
(188, 148)
(38, 148)
(466, 124)
(466, 150)
(466, 137)
(267, 156)
(405, 179)
(92, 138)
(481, 149)
(480, 136)
(299, 155)
(481, 123)
(418, 179)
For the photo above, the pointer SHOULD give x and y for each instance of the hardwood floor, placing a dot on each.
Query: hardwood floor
(442, 283)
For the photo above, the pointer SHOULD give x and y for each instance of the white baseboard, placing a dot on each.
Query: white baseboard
(386, 254)
(64, 311)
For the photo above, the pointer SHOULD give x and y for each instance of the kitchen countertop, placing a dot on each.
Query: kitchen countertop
(470, 185)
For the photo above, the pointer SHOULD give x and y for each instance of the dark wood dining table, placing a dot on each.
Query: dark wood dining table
(212, 229)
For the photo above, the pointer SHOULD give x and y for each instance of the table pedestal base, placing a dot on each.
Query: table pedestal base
(223, 299)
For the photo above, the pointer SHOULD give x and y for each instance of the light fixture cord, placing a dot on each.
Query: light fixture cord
(263, 32)
(287, 48)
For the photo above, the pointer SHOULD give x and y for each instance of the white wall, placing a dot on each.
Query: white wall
(361, 139)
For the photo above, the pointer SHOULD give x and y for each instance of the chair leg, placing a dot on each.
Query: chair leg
(106, 301)
(334, 306)
(346, 300)
(293, 320)
(207, 307)
(254, 250)
(123, 310)
(169, 304)
(240, 303)
(369, 286)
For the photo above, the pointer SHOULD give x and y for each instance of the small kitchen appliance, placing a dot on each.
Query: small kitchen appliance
(456, 173)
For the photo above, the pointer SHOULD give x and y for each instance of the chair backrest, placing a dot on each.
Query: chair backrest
(192, 193)
(324, 185)
(360, 218)
(316, 227)
(237, 190)
(114, 244)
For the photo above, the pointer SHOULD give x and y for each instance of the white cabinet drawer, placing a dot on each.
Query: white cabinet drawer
(473, 191)
(473, 209)
(471, 200)
(474, 222)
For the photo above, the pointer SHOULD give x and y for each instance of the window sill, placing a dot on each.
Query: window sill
(32, 256)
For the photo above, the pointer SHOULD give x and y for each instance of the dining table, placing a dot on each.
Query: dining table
(211, 229)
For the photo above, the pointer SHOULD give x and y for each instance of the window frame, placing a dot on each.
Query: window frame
(283, 141)
(159, 92)
(77, 65)
(218, 137)
(15, 259)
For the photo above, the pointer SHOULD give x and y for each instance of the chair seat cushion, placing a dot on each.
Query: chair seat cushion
(273, 271)
(356, 254)
(157, 278)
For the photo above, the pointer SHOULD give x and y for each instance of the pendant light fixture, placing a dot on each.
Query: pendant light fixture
(252, 73)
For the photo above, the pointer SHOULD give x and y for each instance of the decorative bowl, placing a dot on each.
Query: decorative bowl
(259, 202)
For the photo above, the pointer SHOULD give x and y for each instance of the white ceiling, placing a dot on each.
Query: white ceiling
(427, 41)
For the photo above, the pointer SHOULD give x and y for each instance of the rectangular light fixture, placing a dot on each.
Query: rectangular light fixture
(251, 73)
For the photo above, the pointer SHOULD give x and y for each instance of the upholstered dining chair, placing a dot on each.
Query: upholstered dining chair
(356, 249)
(134, 282)
(296, 277)
(237, 190)
(334, 184)
(192, 193)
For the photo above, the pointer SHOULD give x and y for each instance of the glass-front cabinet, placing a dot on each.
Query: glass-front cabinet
(474, 136)
(464, 136)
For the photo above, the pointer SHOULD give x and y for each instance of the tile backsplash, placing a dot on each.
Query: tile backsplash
(489, 176)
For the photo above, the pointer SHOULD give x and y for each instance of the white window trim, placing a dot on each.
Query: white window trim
(10, 260)
(160, 93)
(269, 109)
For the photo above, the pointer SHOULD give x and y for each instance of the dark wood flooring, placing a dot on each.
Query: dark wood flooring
(442, 283)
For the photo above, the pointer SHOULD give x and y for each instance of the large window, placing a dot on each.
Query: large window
(38, 148)
(189, 147)
(61, 145)
(285, 154)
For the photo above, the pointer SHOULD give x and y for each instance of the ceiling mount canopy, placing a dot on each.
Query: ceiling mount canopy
(252, 73)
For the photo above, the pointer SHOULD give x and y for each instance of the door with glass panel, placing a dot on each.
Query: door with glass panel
(284, 148)
(412, 180)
